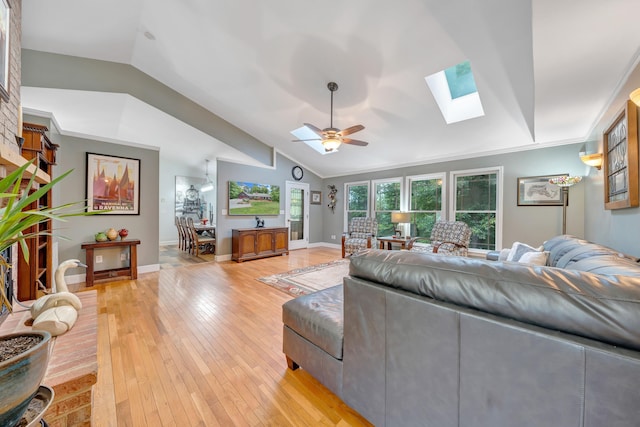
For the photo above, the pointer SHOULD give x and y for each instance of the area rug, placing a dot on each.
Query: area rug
(306, 280)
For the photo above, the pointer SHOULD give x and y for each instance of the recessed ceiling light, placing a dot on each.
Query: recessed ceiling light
(149, 35)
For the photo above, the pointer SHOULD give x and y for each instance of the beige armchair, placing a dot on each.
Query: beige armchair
(361, 235)
(447, 238)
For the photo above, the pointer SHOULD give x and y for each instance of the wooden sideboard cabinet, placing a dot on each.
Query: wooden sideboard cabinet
(254, 243)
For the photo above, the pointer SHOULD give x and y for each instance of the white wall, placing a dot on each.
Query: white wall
(166, 211)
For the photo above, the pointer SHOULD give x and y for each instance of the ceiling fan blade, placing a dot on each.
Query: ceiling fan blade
(313, 128)
(354, 142)
(352, 129)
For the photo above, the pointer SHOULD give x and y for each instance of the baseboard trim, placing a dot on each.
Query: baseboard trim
(325, 245)
(72, 279)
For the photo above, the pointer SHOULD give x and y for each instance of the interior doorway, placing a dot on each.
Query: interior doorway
(297, 214)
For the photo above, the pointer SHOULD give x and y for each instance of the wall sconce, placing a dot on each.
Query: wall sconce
(594, 160)
(635, 96)
(590, 159)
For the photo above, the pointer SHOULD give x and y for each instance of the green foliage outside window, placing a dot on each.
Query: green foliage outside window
(358, 197)
(357, 201)
(387, 200)
(426, 207)
(476, 205)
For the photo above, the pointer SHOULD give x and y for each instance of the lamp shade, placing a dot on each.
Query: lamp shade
(400, 217)
(565, 181)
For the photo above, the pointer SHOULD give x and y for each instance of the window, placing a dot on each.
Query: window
(455, 92)
(425, 204)
(386, 194)
(476, 200)
(357, 205)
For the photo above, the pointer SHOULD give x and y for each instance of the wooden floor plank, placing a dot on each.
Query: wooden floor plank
(201, 345)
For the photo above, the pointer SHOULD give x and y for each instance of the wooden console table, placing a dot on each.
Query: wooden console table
(254, 243)
(111, 273)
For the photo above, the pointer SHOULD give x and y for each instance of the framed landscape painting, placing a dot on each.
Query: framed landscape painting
(113, 184)
(538, 191)
(248, 198)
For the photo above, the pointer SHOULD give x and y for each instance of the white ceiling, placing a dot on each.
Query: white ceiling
(545, 69)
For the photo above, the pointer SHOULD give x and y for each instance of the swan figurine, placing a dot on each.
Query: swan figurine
(57, 313)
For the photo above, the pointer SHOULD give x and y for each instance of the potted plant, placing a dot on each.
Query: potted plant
(23, 356)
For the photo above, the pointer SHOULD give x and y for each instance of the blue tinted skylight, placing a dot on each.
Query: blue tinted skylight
(455, 92)
(460, 80)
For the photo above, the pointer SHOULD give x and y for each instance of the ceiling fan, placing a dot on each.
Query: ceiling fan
(331, 138)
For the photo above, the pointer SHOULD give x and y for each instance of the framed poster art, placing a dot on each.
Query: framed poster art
(620, 142)
(316, 197)
(5, 31)
(538, 191)
(113, 184)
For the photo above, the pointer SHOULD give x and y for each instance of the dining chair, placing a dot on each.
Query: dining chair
(188, 241)
(198, 241)
(181, 234)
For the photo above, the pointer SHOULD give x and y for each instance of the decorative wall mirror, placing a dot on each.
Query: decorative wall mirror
(192, 202)
(620, 142)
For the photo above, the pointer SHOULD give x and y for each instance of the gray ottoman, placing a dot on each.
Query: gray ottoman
(313, 334)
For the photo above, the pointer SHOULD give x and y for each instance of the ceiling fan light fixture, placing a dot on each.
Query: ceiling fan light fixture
(331, 144)
(328, 140)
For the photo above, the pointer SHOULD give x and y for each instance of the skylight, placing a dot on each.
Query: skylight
(306, 133)
(455, 92)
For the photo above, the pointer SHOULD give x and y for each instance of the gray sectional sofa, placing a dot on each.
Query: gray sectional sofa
(416, 339)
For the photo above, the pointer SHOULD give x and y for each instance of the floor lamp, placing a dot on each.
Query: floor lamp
(564, 182)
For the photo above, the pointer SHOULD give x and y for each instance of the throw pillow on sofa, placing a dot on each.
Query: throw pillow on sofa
(519, 249)
(534, 257)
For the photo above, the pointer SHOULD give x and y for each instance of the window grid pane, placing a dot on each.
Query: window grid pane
(476, 205)
(387, 199)
(425, 201)
(358, 197)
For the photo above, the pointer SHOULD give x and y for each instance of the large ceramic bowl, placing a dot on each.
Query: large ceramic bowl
(21, 376)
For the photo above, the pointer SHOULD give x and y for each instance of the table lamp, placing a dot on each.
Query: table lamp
(564, 182)
(400, 218)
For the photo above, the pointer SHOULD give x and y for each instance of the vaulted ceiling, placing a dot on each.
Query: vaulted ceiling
(545, 69)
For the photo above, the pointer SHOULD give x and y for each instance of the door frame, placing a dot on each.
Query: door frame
(302, 243)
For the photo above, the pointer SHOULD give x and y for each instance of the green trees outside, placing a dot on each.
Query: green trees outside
(426, 195)
(476, 205)
(387, 200)
(357, 201)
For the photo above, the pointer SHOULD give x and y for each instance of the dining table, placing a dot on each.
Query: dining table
(205, 229)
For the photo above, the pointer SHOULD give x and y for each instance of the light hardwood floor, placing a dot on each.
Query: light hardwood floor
(202, 346)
